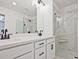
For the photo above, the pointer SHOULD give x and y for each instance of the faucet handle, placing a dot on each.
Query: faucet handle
(1, 36)
(9, 36)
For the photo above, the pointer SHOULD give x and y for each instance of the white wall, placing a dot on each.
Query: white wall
(45, 17)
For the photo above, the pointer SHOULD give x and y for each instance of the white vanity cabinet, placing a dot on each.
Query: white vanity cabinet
(24, 51)
(50, 48)
(38, 49)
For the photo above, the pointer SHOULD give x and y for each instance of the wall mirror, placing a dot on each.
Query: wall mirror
(20, 16)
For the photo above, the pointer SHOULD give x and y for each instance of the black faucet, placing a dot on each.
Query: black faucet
(4, 34)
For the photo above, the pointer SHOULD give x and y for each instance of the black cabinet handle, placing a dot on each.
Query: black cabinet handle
(41, 54)
(52, 47)
(41, 43)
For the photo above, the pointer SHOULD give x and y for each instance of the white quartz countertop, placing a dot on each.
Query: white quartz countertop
(20, 40)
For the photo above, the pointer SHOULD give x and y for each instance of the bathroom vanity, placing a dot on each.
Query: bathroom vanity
(21, 20)
(28, 48)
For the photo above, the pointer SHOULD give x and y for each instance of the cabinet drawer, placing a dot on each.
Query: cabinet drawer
(50, 40)
(15, 51)
(40, 53)
(39, 44)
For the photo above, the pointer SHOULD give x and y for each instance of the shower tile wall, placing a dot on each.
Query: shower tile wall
(67, 35)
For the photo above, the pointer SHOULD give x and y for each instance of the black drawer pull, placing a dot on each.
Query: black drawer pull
(41, 54)
(41, 43)
(52, 47)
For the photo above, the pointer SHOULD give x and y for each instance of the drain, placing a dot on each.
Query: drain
(76, 57)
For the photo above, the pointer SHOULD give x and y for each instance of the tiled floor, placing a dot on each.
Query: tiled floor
(58, 57)
(62, 52)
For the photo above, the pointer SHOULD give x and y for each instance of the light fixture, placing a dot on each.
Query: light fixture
(14, 3)
(38, 3)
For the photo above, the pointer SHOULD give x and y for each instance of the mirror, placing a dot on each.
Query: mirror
(19, 16)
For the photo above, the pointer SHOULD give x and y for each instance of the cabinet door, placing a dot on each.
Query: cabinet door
(40, 53)
(28, 55)
(51, 50)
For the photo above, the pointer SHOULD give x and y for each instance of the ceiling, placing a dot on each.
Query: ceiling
(23, 6)
(64, 3)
